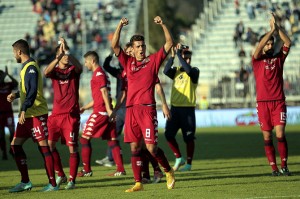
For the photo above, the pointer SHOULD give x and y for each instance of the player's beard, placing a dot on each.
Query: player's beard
(18, 59)
(270, 52)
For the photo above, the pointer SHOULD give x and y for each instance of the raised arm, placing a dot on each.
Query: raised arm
(52, 65)
(115, 42)
(283, 36)
(13, 80)
(169, 40)
(259, 49)
(73, 60)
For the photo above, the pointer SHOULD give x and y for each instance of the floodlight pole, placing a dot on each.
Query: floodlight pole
(146, 24)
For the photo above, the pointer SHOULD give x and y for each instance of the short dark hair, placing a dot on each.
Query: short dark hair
(137, 38)
(22, 45)
(93, 54)
(272, 38)
(128, 44)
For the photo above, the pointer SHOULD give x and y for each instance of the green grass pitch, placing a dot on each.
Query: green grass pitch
(229, 162)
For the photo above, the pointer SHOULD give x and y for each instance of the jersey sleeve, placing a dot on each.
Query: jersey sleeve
(123, 59)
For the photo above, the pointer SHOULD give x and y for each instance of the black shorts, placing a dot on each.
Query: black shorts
(183, 118)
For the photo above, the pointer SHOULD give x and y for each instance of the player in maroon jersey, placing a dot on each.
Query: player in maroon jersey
(64, 121)
(6, 111)
(99, 124)
(271, 107)
(141, 119)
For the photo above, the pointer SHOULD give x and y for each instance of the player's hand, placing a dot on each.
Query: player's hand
(22, 117)
(81, 110)
(166, 111)
(158, 20)
(273, 21)
(113, 116)
(124, 21)
(173, 49)
(11, 97)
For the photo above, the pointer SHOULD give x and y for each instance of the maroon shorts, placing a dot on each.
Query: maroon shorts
(141, 123)
(64, 126)
(98, 126)
(7, 119)
(34, 127)
(271, 113)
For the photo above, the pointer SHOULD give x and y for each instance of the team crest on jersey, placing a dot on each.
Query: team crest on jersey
(98, 74)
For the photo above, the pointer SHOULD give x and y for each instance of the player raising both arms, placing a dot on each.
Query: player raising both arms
(141, 119)
(271, 107)
(64, 121)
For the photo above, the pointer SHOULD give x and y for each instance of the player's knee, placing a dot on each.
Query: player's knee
(136, 153)
(17, 151)
(84, 142)
(188, 139)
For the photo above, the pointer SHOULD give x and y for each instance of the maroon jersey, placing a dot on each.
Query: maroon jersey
(5, 90)
(98, 81)
(141, 76)
(268, 72)
(65, 83)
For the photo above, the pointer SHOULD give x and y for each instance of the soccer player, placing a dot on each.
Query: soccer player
(271, 107)
(32, 118)
(6, 111)
(64, 121)
(120, 114)
(183, 103)
(99, 124)
(140, 119)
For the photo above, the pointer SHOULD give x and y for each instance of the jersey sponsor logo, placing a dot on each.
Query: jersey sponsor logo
(63, 81)
(135, 68)
(270, 63)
